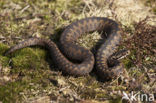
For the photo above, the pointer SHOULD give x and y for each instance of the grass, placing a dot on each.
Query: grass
(30, 72)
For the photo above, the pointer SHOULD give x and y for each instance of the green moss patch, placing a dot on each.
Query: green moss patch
(3, 59)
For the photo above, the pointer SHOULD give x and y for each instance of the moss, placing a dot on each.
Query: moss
(13, 90)
(117, 100)
(30, 64)
(28, 58)
(128, 63)
(3, 48)
(3, 59)
(10, 92)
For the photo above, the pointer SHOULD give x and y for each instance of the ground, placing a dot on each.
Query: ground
(29, 75)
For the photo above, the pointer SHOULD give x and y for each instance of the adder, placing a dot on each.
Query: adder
(70, 51)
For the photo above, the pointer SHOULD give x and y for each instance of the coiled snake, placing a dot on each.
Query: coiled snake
(75, 52)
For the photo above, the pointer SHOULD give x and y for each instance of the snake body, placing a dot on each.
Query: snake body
(70, 50)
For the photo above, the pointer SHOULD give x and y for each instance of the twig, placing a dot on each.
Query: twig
(25, 8)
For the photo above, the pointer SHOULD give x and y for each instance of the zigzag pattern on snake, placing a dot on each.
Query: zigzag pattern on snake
(70, 50)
